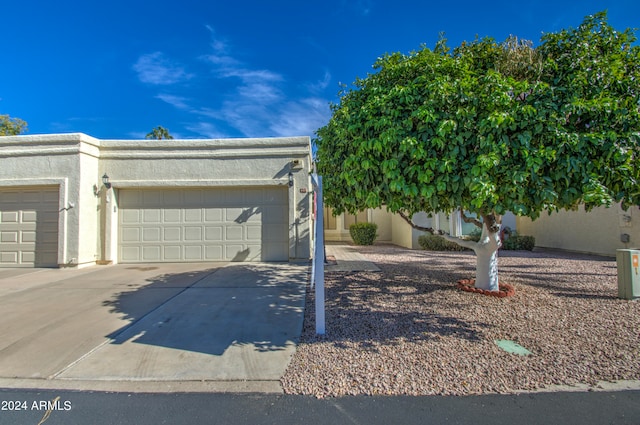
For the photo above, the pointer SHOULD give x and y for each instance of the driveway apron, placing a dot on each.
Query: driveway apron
(179, 322)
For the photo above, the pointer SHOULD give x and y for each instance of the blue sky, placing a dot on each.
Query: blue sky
(215, 69)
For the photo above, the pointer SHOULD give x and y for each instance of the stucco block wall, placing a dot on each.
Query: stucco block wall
(598, 231)
(402, 232)
(383, 219)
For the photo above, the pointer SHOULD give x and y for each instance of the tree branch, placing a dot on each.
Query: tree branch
(415, 226)
(472, 220)
(462, 242)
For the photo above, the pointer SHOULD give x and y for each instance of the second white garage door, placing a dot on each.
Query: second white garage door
(183, 225)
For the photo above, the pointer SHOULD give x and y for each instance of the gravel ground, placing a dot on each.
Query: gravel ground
(408, 330)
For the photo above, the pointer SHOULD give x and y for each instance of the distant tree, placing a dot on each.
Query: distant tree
(489, 128)
(11, 126)
(159, 133)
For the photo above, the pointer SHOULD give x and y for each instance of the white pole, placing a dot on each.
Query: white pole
(319, 258)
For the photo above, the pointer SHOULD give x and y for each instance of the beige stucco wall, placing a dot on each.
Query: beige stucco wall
(88, 210)
(598, 231)
(383, 219)
(402, 232)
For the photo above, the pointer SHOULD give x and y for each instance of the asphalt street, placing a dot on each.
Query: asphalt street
(30, 407)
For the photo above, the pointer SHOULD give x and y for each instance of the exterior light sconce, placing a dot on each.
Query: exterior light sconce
(290, 179)
(105, 181)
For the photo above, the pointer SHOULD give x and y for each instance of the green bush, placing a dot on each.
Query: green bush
(475, 235)
(516, 242)
(363, 233)
(437, 243)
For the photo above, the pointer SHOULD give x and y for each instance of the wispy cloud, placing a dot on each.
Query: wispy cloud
(302, 117)
(320, 85)
(250, 100)
(177, 101)
(155, 68)
(207, 130)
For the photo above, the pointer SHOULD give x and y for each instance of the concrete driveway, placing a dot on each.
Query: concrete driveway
(155, 327)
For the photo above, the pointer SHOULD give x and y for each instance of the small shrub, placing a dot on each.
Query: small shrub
(516, 242)
(437, 243)
(363, 233)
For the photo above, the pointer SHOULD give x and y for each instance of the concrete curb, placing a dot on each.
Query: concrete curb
(262, 387)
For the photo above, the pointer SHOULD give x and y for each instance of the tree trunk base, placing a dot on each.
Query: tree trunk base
(506, 290)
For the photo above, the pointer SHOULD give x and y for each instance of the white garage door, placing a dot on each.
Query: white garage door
(29, 227)
(182, 225)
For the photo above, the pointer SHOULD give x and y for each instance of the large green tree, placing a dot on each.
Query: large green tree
(488, 128)
(11, 126)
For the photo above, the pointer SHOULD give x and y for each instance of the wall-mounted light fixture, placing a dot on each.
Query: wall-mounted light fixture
(290, 179)
(105, 181)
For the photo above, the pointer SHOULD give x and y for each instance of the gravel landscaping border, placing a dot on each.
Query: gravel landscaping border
(408, 330)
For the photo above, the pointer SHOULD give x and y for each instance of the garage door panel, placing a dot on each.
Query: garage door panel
(27, 257)
(193, 216)
(7, 198)
(151, 234)
(130, 216)
(253, 215)
(152, 198)
(9, 257)
(234, 214)
(233, 197)
(131, 234)
(29, 216)
(26, 237)
(207, 225)
(170, 198)
(275, 252)
(9, 237)
(254, 233)
(275, 214)
(29, 227)
(213, 233)
(9, 217)
(171, 234)
(275, 232)
(214, 253)
(171, 216)
(151, 253)
(172, 253)
(193, 197)
(213, 215)
(193, 234)
(193, 253)
(151, 216)
(233, 233)
(276, 197)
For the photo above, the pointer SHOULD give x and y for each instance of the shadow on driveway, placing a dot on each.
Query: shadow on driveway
(253, 304)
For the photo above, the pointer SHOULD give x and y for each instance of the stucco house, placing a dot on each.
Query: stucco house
(393, 229)
(74, 200)
(601, 231)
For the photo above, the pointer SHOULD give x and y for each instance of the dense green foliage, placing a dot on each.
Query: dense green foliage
(11, 126)
(491, 127)
(363, 233)
(159, 133)
(517, 242)
(513, 242)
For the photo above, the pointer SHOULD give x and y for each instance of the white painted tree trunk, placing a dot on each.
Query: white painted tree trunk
(486, 250)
